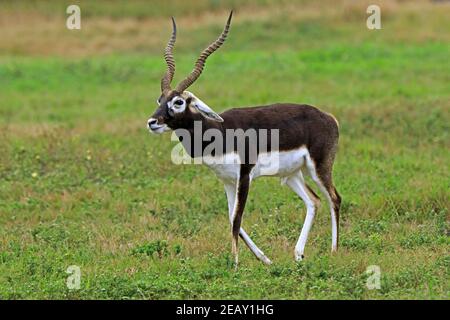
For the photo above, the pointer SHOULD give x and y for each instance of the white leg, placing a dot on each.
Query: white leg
(230, 189)
(231, 197)
(334, 227)
(297, 184)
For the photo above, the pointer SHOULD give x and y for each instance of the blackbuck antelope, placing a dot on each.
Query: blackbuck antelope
(307, 140)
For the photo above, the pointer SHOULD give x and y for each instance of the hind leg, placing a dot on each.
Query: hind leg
(298, 185)
(322, 176)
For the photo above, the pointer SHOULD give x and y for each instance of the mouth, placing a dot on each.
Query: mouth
(156, 128)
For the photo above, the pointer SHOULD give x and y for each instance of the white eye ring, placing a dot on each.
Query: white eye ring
(157, 101)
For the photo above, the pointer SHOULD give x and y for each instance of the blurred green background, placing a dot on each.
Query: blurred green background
(83, 183)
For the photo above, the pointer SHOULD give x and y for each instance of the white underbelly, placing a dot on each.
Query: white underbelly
(281, 164)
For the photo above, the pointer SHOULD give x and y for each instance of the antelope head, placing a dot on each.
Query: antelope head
(178, 108)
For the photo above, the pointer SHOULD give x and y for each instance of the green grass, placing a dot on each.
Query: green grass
(83, 183)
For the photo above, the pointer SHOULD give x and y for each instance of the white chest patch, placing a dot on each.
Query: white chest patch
(225, 167)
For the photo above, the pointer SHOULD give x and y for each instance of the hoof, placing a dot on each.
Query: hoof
(299, 257)
(266, 260)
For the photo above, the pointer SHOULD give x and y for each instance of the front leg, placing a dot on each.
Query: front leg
(231, 189)
(243, 186)
(236, 218)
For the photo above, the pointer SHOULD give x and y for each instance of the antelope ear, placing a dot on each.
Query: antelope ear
(202, 107)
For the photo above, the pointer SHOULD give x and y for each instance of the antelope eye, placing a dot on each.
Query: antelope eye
(179, 102)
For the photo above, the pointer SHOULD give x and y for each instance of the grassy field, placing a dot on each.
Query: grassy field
(83, 183)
